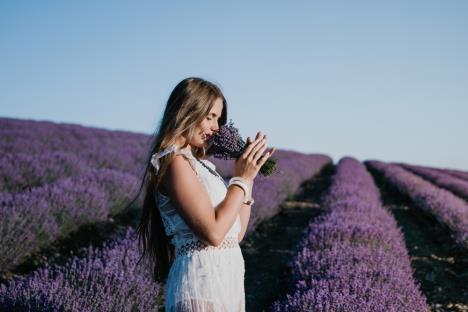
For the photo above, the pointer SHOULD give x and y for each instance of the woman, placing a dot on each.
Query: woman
(192, 223)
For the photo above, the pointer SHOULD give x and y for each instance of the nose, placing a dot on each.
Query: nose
(216, 127)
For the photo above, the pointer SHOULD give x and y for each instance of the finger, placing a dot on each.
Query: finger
(272, 151)
(251, 141)
(265, 157)
(257, 147)
(259, 136)
(259, 143)
(249, 148)
(259, 153)
(262, 143)
(247, 142)
(257, 139)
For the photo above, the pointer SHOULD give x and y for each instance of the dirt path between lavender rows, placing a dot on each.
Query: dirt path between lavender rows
(268, 249)
(439, 265)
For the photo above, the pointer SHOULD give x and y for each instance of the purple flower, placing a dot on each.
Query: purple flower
(353, 256)
(446, 207)
(228, 144)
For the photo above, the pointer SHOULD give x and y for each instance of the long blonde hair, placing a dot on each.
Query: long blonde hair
(189, 103)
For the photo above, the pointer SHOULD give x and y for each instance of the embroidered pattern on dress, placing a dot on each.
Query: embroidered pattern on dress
(191, 247)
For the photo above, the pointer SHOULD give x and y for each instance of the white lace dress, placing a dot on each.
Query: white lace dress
(202, 278)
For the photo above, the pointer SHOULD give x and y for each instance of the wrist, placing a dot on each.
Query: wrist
(246, 179)
(248, 183)
(246, 187)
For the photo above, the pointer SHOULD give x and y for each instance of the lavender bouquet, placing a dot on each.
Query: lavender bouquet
(228, 144)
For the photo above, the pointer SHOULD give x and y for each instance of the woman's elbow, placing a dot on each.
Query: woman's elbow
(213, 239)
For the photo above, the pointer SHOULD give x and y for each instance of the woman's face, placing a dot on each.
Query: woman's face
(208, 126)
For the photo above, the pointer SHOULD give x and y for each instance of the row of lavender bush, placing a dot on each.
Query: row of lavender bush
(106, 286)
(98, 148)
(104, 279)
(456, 173)
(56, 177)
(19, 171)
(442, 179)
(352, 257)
(447, 208)
(36, 217)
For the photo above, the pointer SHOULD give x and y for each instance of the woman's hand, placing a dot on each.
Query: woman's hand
(252, 159)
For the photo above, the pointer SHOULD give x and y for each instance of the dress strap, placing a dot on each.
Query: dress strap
(209, 163)
(186, 152)
(156, 156)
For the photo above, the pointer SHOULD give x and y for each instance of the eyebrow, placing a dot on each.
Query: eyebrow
(214, 114)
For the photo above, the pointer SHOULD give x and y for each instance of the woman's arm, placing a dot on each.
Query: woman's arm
(191, 200)
(244, 215)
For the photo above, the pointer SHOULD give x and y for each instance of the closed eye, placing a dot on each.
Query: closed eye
(208, 118)
(212, 114)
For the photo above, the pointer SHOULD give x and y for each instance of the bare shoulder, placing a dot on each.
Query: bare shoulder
(180, 171)
(182, 160)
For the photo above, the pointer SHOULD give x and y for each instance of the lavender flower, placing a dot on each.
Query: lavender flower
(103, 279)
(353, 256)
(227, 143)
(443, 179)
(56, 178)
(447, 208)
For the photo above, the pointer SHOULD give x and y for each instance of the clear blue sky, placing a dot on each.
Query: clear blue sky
(381, 80)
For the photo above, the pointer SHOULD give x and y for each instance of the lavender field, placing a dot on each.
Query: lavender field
(382, 236)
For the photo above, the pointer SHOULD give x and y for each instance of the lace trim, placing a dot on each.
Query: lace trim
(169, 226)
(191, 247)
